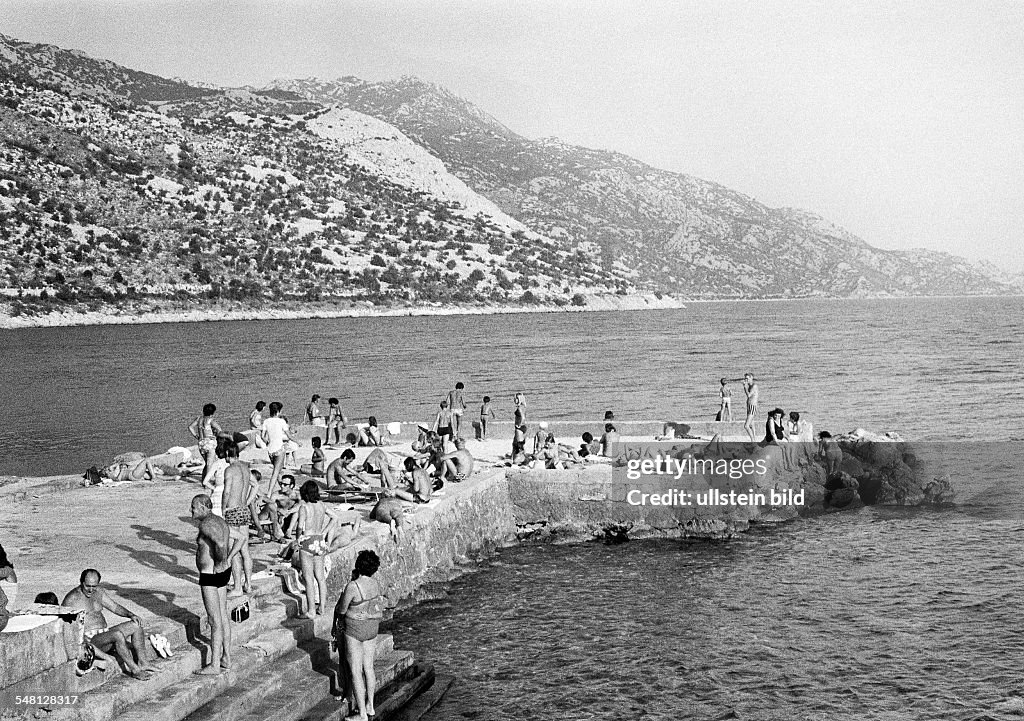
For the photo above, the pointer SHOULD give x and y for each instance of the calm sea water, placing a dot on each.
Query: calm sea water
(877, 614)
(75, 397)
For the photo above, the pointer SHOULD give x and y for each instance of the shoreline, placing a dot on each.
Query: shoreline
(300, 310)
(303, 310)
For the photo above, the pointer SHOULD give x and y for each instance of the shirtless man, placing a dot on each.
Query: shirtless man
(240, 507)
(418, 486)
(127, 639)
(457, 404)
(213, 560)
(750, 388)
(459, 465)
(340, 472)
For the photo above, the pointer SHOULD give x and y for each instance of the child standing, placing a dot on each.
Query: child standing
(725, 412)
(486, 413)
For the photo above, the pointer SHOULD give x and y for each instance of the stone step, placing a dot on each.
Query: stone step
(175, 702)
(314, 690)
(119, 691)
(423, 703)
(309, 657)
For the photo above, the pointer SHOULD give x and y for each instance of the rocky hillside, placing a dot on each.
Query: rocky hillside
(230, 194)
(117, 186)
(675, 232)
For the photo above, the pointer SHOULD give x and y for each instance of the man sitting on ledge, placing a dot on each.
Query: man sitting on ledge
(128, 639)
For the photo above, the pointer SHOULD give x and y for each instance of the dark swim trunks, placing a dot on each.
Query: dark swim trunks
(217, 580)
(444, 430)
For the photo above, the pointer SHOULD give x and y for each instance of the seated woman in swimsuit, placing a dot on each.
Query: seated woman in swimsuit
(369, 436)
(356, 623)
(313, 527)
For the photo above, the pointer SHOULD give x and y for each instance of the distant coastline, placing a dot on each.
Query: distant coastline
(176, 312)
(169, 312)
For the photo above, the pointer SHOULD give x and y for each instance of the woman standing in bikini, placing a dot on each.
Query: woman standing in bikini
(519, 420)
(312, 526)
(205, 430)
(356, 622)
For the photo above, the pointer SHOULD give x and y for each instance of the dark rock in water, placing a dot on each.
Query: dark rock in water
(616, 533)
(938, 491)
(846, 499)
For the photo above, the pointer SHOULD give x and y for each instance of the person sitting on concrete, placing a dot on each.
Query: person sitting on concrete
(590, 446)
(127, 640)
(417, 485)
(458, 466)
(381, 468)
(316, 465)
(541, 437)
(369, 435)
(282, 507)
(341, 474)
(609, 441)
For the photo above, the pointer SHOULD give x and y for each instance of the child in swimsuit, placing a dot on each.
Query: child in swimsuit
(486, 414)
(725, 412)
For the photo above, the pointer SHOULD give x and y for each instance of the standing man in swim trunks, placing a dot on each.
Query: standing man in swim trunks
(125, 639)
(213, 560)
(275, 435)
(458, 406)
(443, 423)
(750, 388)
(239, 500)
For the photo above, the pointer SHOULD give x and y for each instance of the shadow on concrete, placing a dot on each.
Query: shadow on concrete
(161, 603)
(168, 540)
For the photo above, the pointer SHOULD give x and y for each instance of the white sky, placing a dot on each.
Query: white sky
(902, 121)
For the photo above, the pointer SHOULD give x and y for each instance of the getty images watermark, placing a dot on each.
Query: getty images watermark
(661, 469)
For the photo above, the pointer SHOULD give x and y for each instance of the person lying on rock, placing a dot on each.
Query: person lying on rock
(390, 511)
(127, 640)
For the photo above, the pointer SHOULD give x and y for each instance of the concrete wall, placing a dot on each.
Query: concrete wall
(41, 655)
(471, 519)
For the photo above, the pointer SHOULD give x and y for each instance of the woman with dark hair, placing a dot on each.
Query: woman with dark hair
(206, 431)
(312, 526)
(356, 622)
(369, 436)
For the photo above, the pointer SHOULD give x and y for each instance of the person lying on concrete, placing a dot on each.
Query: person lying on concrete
(458, 466)
(215, 552)
(344, 529)
(127, 640)
(390, 510)
(132, 466)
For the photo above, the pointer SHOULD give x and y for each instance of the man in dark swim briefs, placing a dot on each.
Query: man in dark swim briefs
(213, 561)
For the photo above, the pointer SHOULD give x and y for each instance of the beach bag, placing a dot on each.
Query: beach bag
(92, 476)
(240, 613)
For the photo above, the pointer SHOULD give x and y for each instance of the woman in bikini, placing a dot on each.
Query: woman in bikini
(205, 430)
(313, 526)
(356, 622)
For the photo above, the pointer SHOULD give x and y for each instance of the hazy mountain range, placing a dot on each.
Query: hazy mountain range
(117, 184)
